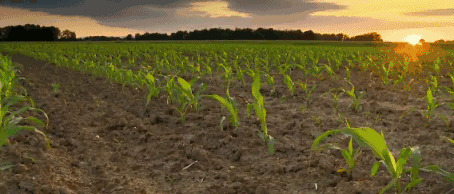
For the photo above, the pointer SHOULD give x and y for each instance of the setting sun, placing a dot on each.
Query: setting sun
(413, 39)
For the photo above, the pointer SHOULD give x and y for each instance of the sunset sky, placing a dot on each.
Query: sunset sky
(393, 19)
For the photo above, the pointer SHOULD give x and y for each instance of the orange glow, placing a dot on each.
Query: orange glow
(411, 59)
(413, 39)
(412, 51)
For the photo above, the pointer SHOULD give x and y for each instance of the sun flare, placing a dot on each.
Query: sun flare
(413, 39)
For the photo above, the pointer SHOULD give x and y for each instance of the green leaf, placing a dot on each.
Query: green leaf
(184, 84)
(234, 118)
(416, 163)
(347, 156)
(402, 161)
(392, 183)
(319, 139)
(413, 183)
(5, 167)
(436, 169)
(375, 168)
(150, 78)
(256, 85)
(350, 146)
(35, 120)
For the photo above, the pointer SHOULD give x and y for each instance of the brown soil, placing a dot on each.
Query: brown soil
(104, 140)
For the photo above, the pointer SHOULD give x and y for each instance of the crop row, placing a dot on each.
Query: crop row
(161, 68)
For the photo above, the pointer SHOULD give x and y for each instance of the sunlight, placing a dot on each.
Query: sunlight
(215, 9)
(413, 39)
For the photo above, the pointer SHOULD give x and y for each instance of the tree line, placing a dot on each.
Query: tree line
(251, 34)
(30, 32)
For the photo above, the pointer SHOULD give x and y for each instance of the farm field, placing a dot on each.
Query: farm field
(232, 117)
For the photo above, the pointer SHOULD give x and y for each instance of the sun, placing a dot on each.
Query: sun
(413, 39)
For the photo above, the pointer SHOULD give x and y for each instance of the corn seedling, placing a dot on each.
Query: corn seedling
(387, 72)
(182, 94)
(316, 71)
(270, 81)
(289, 82)
(55, 88)
(437, 169)
(258, 105)
(308, 91)
(356, 99)
(433, 81)
(317, 120)
(351, 157)
(369, 138)
(348, 74)
(335, 96)
(330, 72)
(431, 105)
(153, 90)
(13, 105)
(230, 104)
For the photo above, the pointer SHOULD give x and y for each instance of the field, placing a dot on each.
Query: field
(229, 117)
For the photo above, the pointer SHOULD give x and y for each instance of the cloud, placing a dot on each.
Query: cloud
(433, 12)
(215, 9)
(83, 26)
(280, 7)
(106, 8)
(92, 8)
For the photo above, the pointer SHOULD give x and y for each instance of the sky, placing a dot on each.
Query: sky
(393, 19)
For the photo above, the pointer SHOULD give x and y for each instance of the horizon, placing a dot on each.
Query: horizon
(393, 20)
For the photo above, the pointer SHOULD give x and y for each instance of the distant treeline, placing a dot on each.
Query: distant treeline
(250, 34)
(30, 32)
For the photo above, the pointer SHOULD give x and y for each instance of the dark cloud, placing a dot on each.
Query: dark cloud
(92, 8)
(166, 15)
(280, 7)
(433, 12)
(103, 8)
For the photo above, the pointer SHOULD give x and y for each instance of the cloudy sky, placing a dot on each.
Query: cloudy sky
(393, 19)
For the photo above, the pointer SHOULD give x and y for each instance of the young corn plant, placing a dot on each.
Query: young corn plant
(348, 74)
(153, 90)
(13, 105)
(308, 91)
(351, 157)
(356, 99)
(270, 81)
(330, 72)
(431, 105)
(437, 169)
(55, 88)
(258, 105)
(230, 104)
(387, 72)
(289, 82)
(369, 138)
(335, 95)
(182, 93)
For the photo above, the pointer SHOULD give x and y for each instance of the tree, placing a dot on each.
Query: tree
(368, 37)
(68, 35)
(29, 32)
(129, 37)
(441, 41)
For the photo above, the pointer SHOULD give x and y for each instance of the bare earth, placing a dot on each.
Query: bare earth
(104, 140)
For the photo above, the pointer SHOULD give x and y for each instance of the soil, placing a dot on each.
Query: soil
(104, 139)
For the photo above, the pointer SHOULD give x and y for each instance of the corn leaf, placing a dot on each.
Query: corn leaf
(184, 84)
(375, 168)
